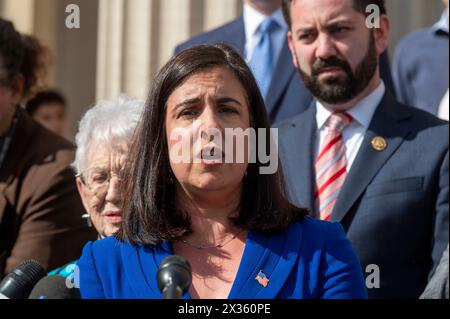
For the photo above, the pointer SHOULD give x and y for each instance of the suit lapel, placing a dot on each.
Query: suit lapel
(235, 36)
(283, 72)
(141, 266)
(274, 256)
(368, 162)
(298, 141)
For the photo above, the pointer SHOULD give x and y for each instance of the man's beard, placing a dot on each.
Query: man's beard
(338, 89)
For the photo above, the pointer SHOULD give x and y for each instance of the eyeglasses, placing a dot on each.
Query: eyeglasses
(98, 179)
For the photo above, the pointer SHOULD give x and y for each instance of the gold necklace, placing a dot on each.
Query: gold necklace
(212, 246)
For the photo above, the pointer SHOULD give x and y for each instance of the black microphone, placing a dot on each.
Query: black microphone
(19, 283)
(54, 287)
(174, 277)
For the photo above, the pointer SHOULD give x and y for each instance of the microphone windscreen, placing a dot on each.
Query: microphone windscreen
(174, 270)
(54, 287)
(18, 283)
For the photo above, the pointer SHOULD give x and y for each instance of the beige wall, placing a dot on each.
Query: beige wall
(122, 43)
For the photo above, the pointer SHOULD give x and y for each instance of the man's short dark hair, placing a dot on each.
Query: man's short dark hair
(44, 97)
(358, 5)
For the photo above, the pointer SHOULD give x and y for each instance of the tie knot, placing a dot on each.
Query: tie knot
(266, 26)
(339, 121)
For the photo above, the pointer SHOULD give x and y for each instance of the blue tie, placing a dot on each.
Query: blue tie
(261, 62)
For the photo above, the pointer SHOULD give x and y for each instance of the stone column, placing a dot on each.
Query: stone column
(220, 12)
(21, 12)
(110, 48)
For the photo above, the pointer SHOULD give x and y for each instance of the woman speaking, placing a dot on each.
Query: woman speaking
(232, 222)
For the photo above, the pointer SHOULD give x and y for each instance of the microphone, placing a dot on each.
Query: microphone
(19, 283)
(54, 287)
(174, 277)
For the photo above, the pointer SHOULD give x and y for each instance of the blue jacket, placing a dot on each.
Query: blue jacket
(311, 259)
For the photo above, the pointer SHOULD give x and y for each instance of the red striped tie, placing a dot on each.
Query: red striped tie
(331, 165)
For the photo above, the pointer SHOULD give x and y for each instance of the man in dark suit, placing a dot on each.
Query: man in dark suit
(359, 157)
(286, 94)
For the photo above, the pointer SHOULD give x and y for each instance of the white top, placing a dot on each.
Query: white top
(444, 108)
(252, 21)
(353, 134)
(442, 24)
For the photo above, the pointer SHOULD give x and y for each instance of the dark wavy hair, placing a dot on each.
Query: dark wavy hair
(21, 55)
(359, 5)
(44, 97)
(150, 214)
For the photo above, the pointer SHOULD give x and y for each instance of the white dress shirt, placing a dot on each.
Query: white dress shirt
(444, 108)
(252, 21)
(443, 23)
(353, 134)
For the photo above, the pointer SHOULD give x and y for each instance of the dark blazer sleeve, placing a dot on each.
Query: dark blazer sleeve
(90, 284)
(440, 234)
(340, 267)
(51, 229)
(385, 73)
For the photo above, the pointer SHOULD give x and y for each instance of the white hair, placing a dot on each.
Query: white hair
(104, 122)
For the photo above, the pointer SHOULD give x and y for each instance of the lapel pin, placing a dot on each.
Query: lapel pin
(262, 279)
(379, 144)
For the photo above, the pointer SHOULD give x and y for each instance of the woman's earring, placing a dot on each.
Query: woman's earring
(170, 176)
(87, 217)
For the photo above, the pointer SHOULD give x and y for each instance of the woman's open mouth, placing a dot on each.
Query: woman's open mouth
(212, 155)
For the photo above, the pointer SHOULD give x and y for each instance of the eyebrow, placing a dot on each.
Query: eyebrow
(330, 25)
(225, 99)
(187, 102)
(337, 23)
(304, 30)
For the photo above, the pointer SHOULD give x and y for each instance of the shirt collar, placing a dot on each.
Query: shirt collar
(362, 112)
(253, 19)
(442, 24)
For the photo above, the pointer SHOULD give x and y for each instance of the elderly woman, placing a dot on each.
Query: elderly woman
(233, 224)
(102, 141)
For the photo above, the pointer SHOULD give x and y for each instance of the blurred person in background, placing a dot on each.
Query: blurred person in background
(259, 35)
(420, 67)
(103, 140)
(437, 287)
(49, 109)
(39, 204)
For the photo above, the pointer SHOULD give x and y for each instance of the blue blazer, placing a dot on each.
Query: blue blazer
(287, 95)
(311, 259)
(394, 203)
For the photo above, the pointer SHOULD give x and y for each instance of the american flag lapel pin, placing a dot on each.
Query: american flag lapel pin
(262, 279)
